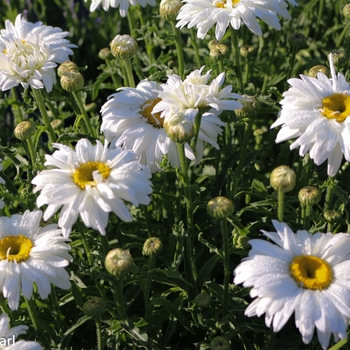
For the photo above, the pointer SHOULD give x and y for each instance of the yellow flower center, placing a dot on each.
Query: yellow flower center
(152, 118)
(15, 248)
(336, 106)
(222, 3)
(83, 175)
(311, 272)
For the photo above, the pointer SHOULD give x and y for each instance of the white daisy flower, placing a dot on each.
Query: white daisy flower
(316, 111)
(123, 4)
(302, 273)
(8, 336)
(204, 14)
(91, 181)
(29, 53)
(31, 254)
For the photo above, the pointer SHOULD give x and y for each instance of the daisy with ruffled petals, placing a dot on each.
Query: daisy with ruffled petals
(9, 336)
(91, 181)
(31, 254)
(301, 273)
(316, 111)
(29, 52)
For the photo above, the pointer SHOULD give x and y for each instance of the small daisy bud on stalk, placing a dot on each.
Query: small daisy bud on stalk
(105, 54)
(94, 307)
(308, 196)
(123, 47)
(339, 57)
(346, 11)
(218, 52)
(179, 129)
(65, 67)
(57, 124)
(220, 343)
(203, 301)
(296, 40)
(246, 50)
(152, 246)
(220, 207)
(169, 9)
(250, 107)
(282, 179)
(318, 69)
(25, 130)
(72, 81)
(242, 243)
(332, 217)
(118, 262)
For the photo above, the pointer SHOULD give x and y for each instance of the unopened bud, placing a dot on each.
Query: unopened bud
(105, 54)
(296, 40)
(282, 178)
(250, 107)
(118, 262)
(152, 246)
(65, 67)
(346, 11)
(72, 81)
(332, 216)
(220, 343)
(309, 196)
(318, 69)
(242, 243)
(25, 130)
(179, 129)
(123, 47)
(218, 51)
(339, 57)
(94, 307)
(57, 124)
(169, 9)
(220, 207)
(246, 50)
(203, 301)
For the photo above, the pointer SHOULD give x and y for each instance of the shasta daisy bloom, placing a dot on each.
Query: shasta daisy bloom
(316, 111)
(8, 336)
(204, 14)
(31, 254)
(91, 181)
(301, 273)
(123, 4)
(29, 52)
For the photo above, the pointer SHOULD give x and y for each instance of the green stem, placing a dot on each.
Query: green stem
(33, 315)
(148, 220)
(99, 333)
(236, 60)
(129, 74)
(319, 16)
(292, 62)
(41, 104)
(339, 345)
(83, 112)
(119, 299)
(197, 57)
(342, 35)
(16, 108)
(31, 151)
(179, 50)
(227, 271)
(280, 196)
(85, 243)
(148, 307)
(196, 127)
(328, 194)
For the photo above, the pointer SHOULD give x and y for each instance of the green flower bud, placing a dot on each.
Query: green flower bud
(57, 124)
(246, 50)
(220, 207)
(309, 195)
(94, 307)
(72, 81)
(123, 47)
(332, 216)
(25, 130)
(105, 54)
(203, 301)
(282, 178)
(169, 9)
(220, 343)
(318, 69)
(152, 246)
(339, 57)
(346, 11)
(65, 67)
(218, 52)
(259, 165)
(118, 262)
(242, 243)
(296, 40)
(250, 107)
(178, 129)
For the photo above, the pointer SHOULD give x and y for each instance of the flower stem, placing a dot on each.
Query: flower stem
(292, 62)
(280, 199)
(119, 299)
(41, 104)
(197, 56)
(83, 112)
(85, 243)
(329, 193)
(227, 271)
(129, 74)
(32, 313)
(31, 151)
(236, 60)
(99, 333)
(148, 307)
(179, 50)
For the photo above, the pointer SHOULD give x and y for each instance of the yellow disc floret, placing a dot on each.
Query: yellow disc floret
(311, 272)
(15, 248)
(83, 176)
(336, 106)
(152, 118)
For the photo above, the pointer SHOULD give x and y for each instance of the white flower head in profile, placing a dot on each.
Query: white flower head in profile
(91, 181)
(301, 273)
(29, 52)
(316, 111)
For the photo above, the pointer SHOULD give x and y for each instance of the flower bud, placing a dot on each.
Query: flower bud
(218, 51)
(94, 307)
(246, 50)
(178, 129)
(318, 69)
(220, 207)
(152, 246)
(296, 40)
(332, 216)
(57, 124)
(65, 67)
(220, 343)
(123, 47)
(346, 11)
(250, 107)
(105, 54)
(339, 57)
(242, 243)
(309, 196)
(169, 9)
(259, 165)
(203, 301)
(25, 130)
(118, 262)
(282, 178)
(72, 81)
